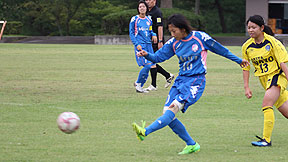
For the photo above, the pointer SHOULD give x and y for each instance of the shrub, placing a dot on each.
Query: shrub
(196, 21)
(13, 27)
(118, 23)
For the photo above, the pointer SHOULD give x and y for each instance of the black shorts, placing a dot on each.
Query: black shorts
(155, 47)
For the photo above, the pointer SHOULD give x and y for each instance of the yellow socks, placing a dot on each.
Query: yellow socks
(268, 122)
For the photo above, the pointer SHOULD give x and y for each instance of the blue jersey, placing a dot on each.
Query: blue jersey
(140, 30)
(191, 52)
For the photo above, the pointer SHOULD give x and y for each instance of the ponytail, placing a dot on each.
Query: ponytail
(268, 30)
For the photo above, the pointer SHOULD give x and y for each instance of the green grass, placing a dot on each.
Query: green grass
(38, 82)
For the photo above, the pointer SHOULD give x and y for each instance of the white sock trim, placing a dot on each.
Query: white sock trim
(179, 105)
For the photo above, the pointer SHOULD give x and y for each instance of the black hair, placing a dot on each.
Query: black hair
(142, 1)
(257, 19)
(180, 22)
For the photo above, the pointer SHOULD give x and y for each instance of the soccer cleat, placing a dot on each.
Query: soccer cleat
(140, 131)
(139, 89)
(169, 80)
(190, 149)
(261, 143)
(151, 88)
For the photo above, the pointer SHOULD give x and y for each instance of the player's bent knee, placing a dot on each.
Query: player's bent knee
(165, 109)
(173, 109)
(177, 106)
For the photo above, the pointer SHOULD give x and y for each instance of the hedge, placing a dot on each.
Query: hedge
(13, 28)
(118, 23)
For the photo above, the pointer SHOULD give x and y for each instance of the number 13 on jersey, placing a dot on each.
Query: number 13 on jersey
(264, 68)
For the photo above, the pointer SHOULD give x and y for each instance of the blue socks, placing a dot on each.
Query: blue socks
(181, 131)
(175, 125)
(143, 74)
(161, 122)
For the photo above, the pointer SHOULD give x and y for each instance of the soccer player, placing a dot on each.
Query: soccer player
(140, 32)
(190, 47)
(157, 26)
(268, 56)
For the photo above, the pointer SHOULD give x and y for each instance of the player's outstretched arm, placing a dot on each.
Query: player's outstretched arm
(244, 63)
(165, 53)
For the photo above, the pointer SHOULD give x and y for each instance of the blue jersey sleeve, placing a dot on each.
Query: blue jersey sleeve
(164, 53)
(132, 30)
(212, 45)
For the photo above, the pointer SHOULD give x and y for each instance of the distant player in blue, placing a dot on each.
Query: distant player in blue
(141, 34)
(191, 49)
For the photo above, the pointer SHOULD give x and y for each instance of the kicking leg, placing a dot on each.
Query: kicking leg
(163, 120)
(179, 129)
(159, 123)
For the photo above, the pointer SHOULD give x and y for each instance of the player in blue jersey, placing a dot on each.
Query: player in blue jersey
(141, 34)
(191, 49)
(157, 26)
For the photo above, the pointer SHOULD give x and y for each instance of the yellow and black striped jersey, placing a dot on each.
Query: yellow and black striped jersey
(266, 56)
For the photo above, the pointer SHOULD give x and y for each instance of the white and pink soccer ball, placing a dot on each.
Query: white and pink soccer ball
(68, 122)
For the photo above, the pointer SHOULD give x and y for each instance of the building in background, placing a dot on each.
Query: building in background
(275, 13)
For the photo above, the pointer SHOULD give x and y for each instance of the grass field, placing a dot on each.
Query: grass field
(38, 82)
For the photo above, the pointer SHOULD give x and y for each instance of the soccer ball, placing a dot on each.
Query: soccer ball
(68, 122)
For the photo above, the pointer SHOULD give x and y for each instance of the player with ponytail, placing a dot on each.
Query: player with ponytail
(268, 56)
(191, 48)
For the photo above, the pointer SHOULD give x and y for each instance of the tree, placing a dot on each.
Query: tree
(131, 4)
(36, 18)
(64, 11)
(86, 17)
(233, 13)
(72, 7)
(56, 11)
(221, 16)
(197, 7)
(93, 17)
(166, 3)
(11, 9)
